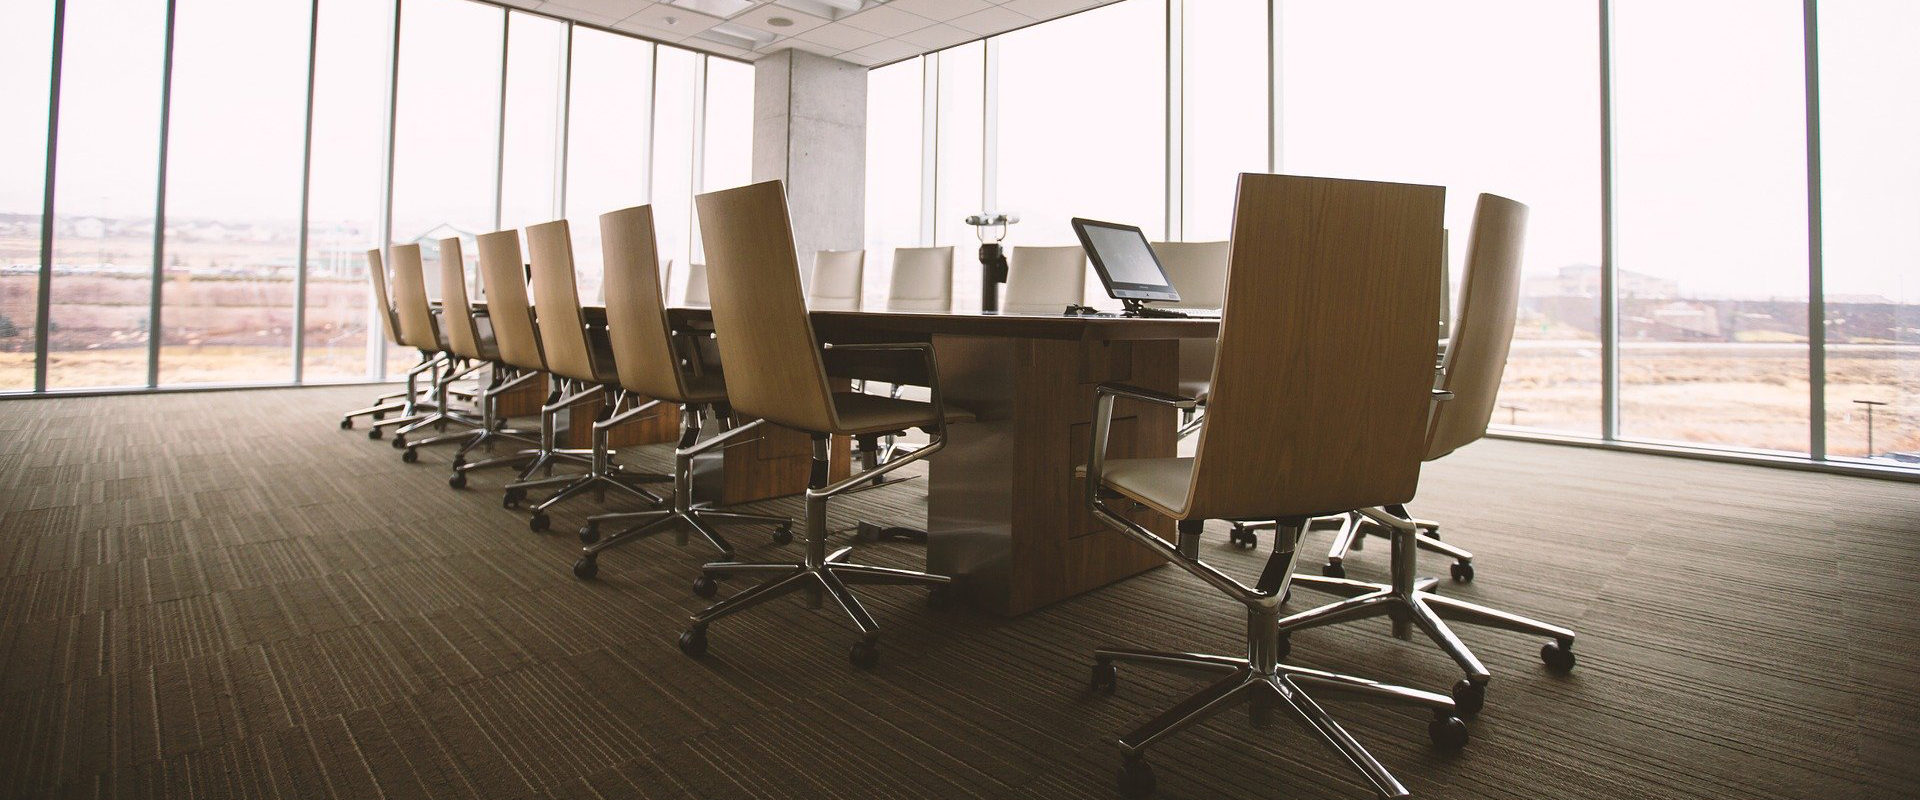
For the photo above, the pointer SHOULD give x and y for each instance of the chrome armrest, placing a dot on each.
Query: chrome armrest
(1104, 395)
(1147, 395)
(937, 437)
(1442, 395)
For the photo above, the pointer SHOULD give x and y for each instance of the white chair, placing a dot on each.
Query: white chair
(837, 277)
(1045, 280)
(922, 279)
(1199, 272)
(695, 295)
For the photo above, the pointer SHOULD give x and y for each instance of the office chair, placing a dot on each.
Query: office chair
(405, 403)
(654, 362)
(1319, 395)
(1199, 272)
(775, 373)
(419, 329)
(509, 313)
(1045, 280)
(837, 278)
(922, 279)
(695, 293)
(579, 368)
(469, 343)
(1476, 357)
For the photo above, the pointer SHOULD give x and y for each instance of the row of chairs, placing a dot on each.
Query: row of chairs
(1332, 423)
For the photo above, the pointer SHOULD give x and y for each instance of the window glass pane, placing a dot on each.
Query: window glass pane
(1104, 153)
(446, 132)
(236, 139)
(675, 88)
(536, 96)
(606, 139)
(1224, 88)
(26, 50)
(1436, 98)
(104, 191)
(344, 192)
(727, 152)
(958, 181)
(1710, 208)
(1871, 244)
(894, 115)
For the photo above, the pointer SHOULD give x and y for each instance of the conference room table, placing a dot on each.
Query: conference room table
(1005, 511)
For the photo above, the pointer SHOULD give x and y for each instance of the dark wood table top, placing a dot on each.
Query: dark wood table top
(829, 324)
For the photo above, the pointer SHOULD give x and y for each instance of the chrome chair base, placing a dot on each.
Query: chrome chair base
(1265, 689)
(601, 475)
(1351, 535)
(821, 573)
(685, 515)
(1410, 603)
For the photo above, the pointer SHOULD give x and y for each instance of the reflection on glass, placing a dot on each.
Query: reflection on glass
(446, 133)
(344, 192)
(1710, 209)
(104, 193)
(26, 47)
(536, 97)
(233, 192)
(894, 117)
(1224, 88)
(957, 186)
(1871, 246)
(676, 86)
(606, 140)
(1436, 98)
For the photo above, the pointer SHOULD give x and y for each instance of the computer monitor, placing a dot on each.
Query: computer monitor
(1125, 262)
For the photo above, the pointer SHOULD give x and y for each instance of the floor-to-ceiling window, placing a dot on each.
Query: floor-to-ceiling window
(236, 137)
(608, 139)
(26, 49)
(533, 120)
(105, 187)
(1870, 163)
(675, 106)
(1224, 110)
(894, 152)
(960, 162)
(1710, 213)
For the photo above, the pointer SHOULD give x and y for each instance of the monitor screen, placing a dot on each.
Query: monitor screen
(1125, 262)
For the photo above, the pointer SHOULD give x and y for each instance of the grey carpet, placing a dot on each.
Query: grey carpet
(223, 595)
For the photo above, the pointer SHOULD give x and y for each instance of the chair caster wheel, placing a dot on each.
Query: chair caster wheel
(459, 461)
(410, 456)
(346, 424)
(1469, 697)
(866, 532)
(399, 442)
(1448, 732)
(586, 568)
(512, 498)
(590, 532)
(1105, 678)
(1333, 569)
(864, 654)
(783, 535)
(373, 433)
(705, 586)
(538, 523)
(694, 642)
(457, 480)
(1462, 571)
(379, 415)
(1242, 538)
(1283, 646)
(1135, 778)
(1558, 655)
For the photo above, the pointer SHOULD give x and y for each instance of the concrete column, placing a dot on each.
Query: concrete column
(810, 130)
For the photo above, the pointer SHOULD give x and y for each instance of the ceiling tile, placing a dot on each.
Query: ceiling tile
(799, 43)
(885, 50)
(526, 4)
(657, 34)
(1048, 9)
(612, 9)
(992, 20)
(579, 14)
(886, 21)
(842, 36)
(856, 58)
(935, 37)
(669, 18)
(762, 19)
(940, 10)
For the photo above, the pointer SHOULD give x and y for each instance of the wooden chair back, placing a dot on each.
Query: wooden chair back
(837, 279)
(556, 302)
(1198, 271)
(1483, 330)
(1320, 393)
(463, 336)
(410, 303)
(636, 311)
(760, 317)
(503, 276)
(377, 274)
(922, 279)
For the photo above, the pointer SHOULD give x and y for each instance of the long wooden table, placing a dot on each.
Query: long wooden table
(1005, 514)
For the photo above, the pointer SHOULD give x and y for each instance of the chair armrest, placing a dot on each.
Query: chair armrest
(1442, 395)
(1146, 395)
(926, 357)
